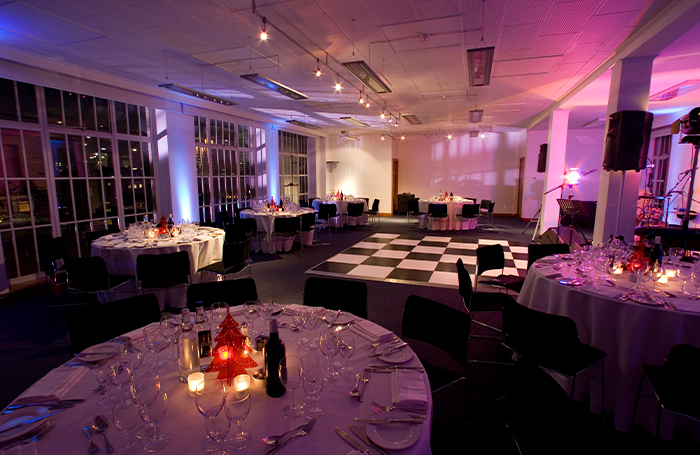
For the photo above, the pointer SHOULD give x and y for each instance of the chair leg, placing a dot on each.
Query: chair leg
(658, 420)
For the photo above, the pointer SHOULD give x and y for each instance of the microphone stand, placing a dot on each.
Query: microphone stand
(539, 220)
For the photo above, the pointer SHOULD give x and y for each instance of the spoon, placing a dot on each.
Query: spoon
(274, 440)
(100, 424)
(356, 391)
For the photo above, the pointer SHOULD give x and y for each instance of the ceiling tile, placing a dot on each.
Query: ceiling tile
(28, 21)
(568, 17)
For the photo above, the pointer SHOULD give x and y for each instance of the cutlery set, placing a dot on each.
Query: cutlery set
(51, 404)
(27, 439)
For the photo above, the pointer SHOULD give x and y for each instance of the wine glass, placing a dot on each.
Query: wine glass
(638, 268)
(312, 323)
(645, 276)
(121, 373)
(133, 354)
(154, 341)
(676, 254)
(685, 272)
(346, 349)
(219, 311)
(217, 422)
(152, 407)
(290, 376)
(170, 327)
(143, 381)
(312, 377)
(299, 318)
(102, 370)
(330, 344)
(238, 403)
(209, 394)
(656, 271)
(125, 415)
(696, 280)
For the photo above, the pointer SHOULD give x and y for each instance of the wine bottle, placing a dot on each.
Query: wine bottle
(274, 352)
(171, 223)
(656, 254)
(203, 329)
(187, 348)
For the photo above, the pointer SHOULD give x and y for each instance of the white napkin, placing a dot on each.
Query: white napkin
(135, 335)
(23, 449)
(408, 390)
(57, 383)
(372, 332)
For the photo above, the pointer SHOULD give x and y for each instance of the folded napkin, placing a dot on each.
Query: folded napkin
(25, 449)
(691, 306)
(57, 383)
(408, 390)
(372, 332)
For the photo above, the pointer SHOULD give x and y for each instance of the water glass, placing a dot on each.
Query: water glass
(290, 376)
(656, 271)
(152, 407)
(238, 404)
(312, 377)
(210, 394)
(170, 327)
(125, 415)
(346, 349)
(121, 373)
(330, 345)
(217, 422)
(102, 370)
(685, 272)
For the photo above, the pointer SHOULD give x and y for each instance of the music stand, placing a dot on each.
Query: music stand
(570, 207)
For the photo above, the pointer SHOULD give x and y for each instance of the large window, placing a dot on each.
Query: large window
(294, 166)
(70, 163)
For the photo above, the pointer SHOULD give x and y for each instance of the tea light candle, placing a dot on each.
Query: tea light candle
(241, 383)
(663, 279)
(193, 381)
(618, 271)
(671, 273)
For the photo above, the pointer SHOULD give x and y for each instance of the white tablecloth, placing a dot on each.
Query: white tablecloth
(120, 255)
(342, 208)
(185, 425)
(632, 335)
(265, 222)
(453, 209)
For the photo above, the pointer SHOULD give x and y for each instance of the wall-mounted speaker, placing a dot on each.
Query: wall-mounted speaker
(542, 159)
(627, 141)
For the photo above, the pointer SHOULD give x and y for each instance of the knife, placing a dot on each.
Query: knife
(35, 419)
(389, 370)
(330, 323)
(356, 444)
(397, 367)
(48, 404)
(387, 421)
(366, 440)
(390, 350)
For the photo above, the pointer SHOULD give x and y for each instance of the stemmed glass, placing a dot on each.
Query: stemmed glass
(170, 327)
(152, 407)
(685, 272)
(676, 254)
(347, 348)
(264, 309)
(656, 271)
(125, 415)
(312, 376)
(238, 403)
(290, 376)
(645, 276)
(154, 341)
(219, 311)
(209, 394)
(330, 344)
(133, 354)
(300, 318)
(696, 280)
(102, 370)
(312, 323)
(217, 422)
(121, 373)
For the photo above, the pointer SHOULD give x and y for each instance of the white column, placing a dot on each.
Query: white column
(556, 163)
(629, 90)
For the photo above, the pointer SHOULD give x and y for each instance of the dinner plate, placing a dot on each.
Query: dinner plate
(277, 308)
(393, 436)
(550, 260)
(99, 352)
(570, 281)
(566, 257)
(398, 356)
(644, 299)
(343, 317)
(19, 416)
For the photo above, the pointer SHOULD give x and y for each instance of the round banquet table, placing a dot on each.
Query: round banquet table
(266, 222)
(342, 208)
(453, 209)
(631, 334)
(185, 425)
(120, 255)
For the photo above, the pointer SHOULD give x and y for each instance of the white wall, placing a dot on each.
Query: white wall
(469, 167)
(363, 170)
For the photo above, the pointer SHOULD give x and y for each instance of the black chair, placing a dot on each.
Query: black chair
(235, 259)
(285, 227)
(225, 217)
(550, 341)
(479, 302)
(250, 225)
(450, 339)
(325, 213)
(335, 294)
(308, 224)
(412, 209)
(355, 211)
(52, 255)
(115, 318)
(674, 384)
(544, 420)
(373, 213)
(469, 212)
(492, 257)
(91, 236)
(237, 232)
(436, 211)
(89, 275)
(233, 292)
(162, 271)
(537, 251)
(486, 210)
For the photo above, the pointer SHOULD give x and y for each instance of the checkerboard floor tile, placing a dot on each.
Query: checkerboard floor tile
(415, 259)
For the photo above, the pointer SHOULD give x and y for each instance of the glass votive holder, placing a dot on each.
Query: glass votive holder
(193, 381)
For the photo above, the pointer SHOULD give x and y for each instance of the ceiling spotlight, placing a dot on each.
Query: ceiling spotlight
(482, 135)
(318, 68)
(396, 121)
(338, 87)
(449, 137)
(367, 105)
(383, 115)
(263, 34)
(382, 137)
(403, 138)
(362, 99)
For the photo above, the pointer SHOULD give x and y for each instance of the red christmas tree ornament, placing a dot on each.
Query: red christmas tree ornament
(231, 354)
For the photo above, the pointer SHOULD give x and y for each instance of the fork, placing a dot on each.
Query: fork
(31, 439)
(94, 448)
(365, 380)
(376, 407)
(303, 432)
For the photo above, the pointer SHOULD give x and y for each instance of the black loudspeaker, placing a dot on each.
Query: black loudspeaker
(627, 141)
(542, 159)
(565, 234)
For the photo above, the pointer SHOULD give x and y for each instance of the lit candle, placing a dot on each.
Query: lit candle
(618, 271)
(663, 279)
(193, 381)
(671, 273)
(241, 383)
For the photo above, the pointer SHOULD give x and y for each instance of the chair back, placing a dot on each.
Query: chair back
(485, 203)
(491, 206)
(470, 210)
(115, 318)
(51, 249)
(88, 274)
(356, 209)
(303, 203)
(163, 270)
(91, 236)
(287, 224)
(683, 362)
(226, 217)
(412, 205)
(327, 211)
(308, 221)
(437, 210)
(375, 205)
(336, 294)
(465, 284)
(237, 253)
(489, 257)
(248, 224)
(233, 292)
(237, 232)
(537, 251)
(455, 325)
